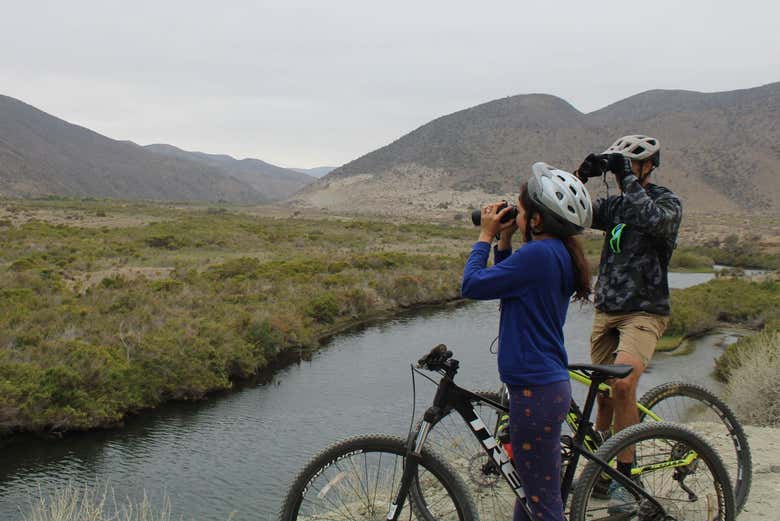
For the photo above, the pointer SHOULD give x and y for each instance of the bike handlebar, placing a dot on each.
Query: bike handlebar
(436, 359)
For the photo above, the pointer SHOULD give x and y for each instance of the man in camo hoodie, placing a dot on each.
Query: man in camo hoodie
(632, 291)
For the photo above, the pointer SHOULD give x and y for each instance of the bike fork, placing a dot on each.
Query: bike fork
(413, 457)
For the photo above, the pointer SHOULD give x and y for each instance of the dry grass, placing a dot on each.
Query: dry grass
(752, 390)
(72, 503)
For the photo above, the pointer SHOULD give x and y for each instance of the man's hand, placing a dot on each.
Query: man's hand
(619, 165)
(592, 166)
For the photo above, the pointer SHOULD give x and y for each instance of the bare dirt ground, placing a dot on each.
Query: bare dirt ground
(764, 500)
(78, 218)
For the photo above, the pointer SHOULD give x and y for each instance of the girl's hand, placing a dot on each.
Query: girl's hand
(491, 221)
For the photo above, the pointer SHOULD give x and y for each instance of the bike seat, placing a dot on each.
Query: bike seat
(603, 372)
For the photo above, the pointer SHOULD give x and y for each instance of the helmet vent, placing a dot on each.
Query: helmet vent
(572, 210)
(561, 178)
(573, 190)
(559, 196)
(639, 150)
(582, 203)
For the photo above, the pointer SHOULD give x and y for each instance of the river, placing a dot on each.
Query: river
(236, 452)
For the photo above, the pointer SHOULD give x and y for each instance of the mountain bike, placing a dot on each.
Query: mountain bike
(384, 477)
(678, 402)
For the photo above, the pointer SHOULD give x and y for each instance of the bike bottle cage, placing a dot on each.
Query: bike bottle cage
(615, 235)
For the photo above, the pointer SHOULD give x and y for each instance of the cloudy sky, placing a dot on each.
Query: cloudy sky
(319, 83)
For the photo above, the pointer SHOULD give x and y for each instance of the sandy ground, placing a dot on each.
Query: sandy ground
(764, 500)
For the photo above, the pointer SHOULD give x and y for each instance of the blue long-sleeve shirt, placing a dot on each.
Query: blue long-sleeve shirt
(535, 285)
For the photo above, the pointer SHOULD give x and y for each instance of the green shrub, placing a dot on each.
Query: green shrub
(266, 340)
(168, 242)
(323, 308)
(245, 267)
(684, 259)
(114, 282)
(23, 264)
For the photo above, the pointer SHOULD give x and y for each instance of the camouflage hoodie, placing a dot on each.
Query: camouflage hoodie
(633, 271)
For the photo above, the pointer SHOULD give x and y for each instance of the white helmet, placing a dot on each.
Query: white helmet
(562, 196)
(637, 147)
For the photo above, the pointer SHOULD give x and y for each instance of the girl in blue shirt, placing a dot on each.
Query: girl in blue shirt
(535, 284)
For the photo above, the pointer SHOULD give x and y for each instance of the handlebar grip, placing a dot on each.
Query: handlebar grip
(438, 354)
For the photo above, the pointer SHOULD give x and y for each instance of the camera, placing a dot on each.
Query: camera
(476, 215)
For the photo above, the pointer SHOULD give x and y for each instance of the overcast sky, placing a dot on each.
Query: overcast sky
(304, 84)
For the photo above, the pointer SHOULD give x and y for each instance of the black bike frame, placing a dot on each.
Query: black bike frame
(451, 397)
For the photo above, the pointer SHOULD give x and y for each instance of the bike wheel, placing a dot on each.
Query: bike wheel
(698, 491)
(451, 438)
(358, 479)
(703, 412)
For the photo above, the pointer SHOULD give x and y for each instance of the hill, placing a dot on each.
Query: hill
(41, 155)
(720, 151)
(272, 181)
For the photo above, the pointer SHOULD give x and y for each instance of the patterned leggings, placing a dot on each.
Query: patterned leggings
(535, 416)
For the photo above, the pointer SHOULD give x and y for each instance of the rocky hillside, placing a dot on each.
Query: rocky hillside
(44, 155)
(720, 151)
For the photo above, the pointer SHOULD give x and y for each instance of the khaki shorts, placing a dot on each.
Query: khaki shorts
(635, 333)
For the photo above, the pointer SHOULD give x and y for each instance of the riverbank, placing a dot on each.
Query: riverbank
(724, 302)
(108, 308)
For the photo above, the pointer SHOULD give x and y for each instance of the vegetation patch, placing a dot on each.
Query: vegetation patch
(698, 309)
(752, 388)
(95, 324)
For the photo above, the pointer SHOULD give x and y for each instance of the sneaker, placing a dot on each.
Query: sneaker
(620, 499)
(601, 488)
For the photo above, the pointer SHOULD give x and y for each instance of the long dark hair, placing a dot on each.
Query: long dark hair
(572, 243)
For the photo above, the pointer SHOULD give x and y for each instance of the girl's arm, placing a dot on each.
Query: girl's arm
(504, 248)
(506, 279)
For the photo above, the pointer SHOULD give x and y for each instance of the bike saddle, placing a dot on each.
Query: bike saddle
(603, 372)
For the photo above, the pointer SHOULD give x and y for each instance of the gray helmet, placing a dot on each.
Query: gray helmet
(637, 147)
(561, 198)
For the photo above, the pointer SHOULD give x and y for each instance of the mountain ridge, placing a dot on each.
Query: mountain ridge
(41, 154)
(718, 149)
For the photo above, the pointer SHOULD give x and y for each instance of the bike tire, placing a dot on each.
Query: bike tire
(452, 440)
(330, 486)
(706, 473)
(699, 409)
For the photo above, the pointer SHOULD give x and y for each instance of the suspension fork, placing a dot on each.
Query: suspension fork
(416, 443)
(411, 463)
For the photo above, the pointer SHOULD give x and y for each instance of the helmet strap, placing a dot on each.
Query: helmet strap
(644, 176)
